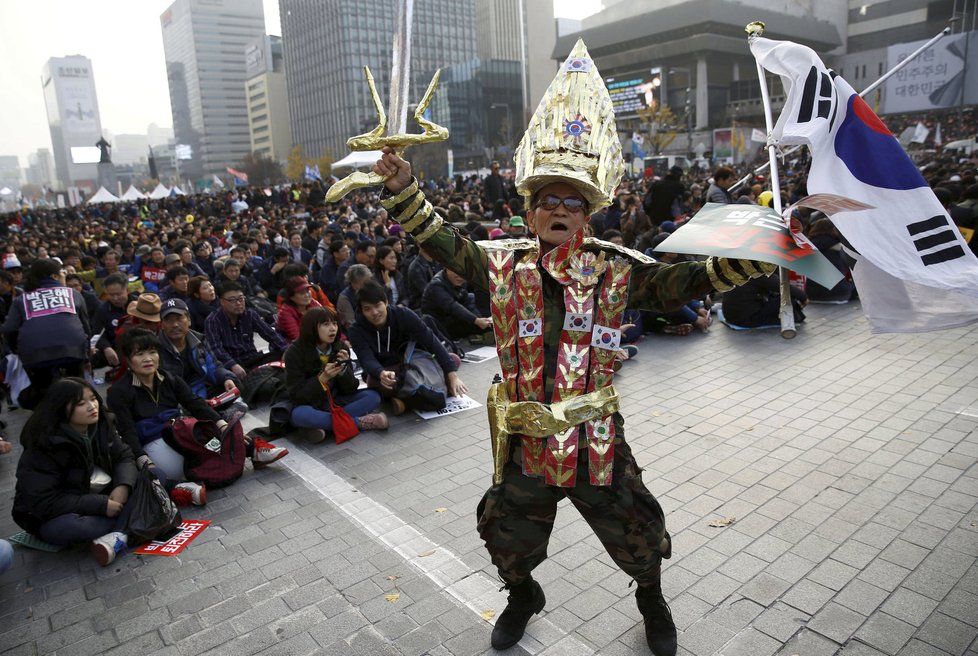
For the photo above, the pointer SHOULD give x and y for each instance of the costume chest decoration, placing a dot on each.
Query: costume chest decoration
(583, 401)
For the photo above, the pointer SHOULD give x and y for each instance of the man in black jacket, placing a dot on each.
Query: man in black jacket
(658, 202)
(446, 300)
(423, 268)
(185, 354)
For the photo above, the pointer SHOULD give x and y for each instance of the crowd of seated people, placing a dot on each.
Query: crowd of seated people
(177, 301)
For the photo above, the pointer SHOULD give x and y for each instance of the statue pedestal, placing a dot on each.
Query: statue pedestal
(106, 177)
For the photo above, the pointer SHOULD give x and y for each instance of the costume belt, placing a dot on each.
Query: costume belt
(540, 420)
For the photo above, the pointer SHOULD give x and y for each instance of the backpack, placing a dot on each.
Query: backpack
(209, 457)
(265, 308)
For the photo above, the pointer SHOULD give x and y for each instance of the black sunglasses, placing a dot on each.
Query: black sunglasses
(550, 203)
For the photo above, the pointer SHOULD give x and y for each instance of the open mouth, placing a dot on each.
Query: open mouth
(557, 225)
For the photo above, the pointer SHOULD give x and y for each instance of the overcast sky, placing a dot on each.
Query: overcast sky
(124, 41)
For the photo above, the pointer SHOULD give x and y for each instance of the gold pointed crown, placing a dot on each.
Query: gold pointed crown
(572, 135)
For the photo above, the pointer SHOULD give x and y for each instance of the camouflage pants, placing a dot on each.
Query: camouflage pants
(517, 517)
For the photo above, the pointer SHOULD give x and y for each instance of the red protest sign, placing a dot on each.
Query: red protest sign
(189, 529)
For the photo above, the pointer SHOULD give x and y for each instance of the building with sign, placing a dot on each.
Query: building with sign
(68, 84)
(268, 99)
(204, 42)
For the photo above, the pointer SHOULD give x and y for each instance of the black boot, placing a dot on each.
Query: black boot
(525, 601)
(660, 631)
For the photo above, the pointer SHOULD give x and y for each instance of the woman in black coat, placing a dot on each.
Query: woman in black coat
(75, 474)
(319, 359)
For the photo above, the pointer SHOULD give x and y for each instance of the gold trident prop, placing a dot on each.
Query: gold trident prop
(375, 139)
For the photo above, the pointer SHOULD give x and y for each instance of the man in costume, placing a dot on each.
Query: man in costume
(557, 307)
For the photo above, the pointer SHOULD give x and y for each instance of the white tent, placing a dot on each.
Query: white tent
(103, 195)
(363, 160)
(132, 194)
(6, 191)
(967, 145)
(159, 192)
(175, 190)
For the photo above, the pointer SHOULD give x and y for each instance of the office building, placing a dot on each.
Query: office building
(326, 49)
(68, 84)
(204, 42)
(268, 99)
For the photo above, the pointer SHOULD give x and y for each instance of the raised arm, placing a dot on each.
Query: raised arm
(406, 203)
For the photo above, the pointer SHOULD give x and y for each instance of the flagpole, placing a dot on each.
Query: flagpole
(787, 313)
(862, 94)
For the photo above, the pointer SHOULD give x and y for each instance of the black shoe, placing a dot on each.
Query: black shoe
(660, 631)
(525, 601)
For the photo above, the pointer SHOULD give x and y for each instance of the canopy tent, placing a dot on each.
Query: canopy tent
(177, 191)
(103, 195)
(967, 145)
(6, 191)
(159, 192)
(132, 194)
(357, 160)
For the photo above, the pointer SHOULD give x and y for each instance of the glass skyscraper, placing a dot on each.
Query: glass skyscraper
(204, 42)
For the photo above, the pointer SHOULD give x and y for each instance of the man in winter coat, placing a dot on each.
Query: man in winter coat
(185, 354)
(446, 300)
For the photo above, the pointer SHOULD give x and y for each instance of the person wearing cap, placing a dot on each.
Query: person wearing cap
(11, 264)
(517, 227)
(48, 328)
(557, 306)
(297, 300)
(183, 353)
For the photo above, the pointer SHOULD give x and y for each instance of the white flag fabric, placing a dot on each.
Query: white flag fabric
(937, 135)
(916, 252)
(920, 133)
(218, 182)
(637, 138)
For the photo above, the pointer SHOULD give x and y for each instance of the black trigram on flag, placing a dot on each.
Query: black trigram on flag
(818, 99)
(936, 244)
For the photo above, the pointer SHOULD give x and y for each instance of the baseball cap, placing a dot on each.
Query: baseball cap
(517, 222)
(172, 305)
(10, 261)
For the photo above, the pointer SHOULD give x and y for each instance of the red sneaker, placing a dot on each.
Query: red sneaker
(184, 494)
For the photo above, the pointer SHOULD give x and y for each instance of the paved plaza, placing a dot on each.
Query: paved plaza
(848, 462)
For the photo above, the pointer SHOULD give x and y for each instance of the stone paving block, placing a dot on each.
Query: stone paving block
(833, 574)
(947, 633)
(808, 596)
(76, 613)
(751, 643)
(606, 627)
(687, 609)
(856, 648)
(736, 614)
(422, 639)
(884, 632)
(883, 574)
(705, 637)
(909, 606)
(764, 588)
(91, 646)
(144, 644)
(781, 621)
(714, 588)
(836, 622)
(64, 636)
(808, 643)
(590, 603)
(918, 648)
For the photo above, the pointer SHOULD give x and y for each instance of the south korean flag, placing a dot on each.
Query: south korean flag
(913, 270)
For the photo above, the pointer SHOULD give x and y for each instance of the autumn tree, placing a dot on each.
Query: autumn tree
(261, 168)
(295, 167)
(660, 124)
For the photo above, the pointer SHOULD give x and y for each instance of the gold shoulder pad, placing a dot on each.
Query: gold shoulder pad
(629, 252)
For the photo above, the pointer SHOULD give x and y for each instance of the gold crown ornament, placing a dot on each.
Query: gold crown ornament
(572, 136)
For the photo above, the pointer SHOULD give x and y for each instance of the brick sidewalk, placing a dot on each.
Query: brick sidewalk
(848, 461)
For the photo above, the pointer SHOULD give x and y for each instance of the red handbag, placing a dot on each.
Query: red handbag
(344, 426)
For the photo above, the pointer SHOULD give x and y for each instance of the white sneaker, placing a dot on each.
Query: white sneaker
(184, 494)
(106, 547)
(266, 453)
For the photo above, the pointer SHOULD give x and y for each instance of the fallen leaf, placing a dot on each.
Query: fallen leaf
(392, 597)
(722, 522)
(488, 614)
(440, 509)
(425, 554)
(393, 577)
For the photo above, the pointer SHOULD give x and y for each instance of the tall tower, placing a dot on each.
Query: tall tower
(327, 45)
(68, 84)
(268, 98)
(203, 41)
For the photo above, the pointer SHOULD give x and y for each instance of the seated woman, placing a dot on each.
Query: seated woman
(386, 273)
(75, 474)
(318, 359)
(828, 241)
(203, 301)
(145, 398)
(298, 301)
(346, 303)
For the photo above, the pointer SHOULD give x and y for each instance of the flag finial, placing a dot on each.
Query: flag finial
(755, 29)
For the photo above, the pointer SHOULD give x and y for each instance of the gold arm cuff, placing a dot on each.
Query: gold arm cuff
(419, 210)
(428, 232)
(750, 269)
(718, 284)
(731, 274)
(394, 201)
(534, 419)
